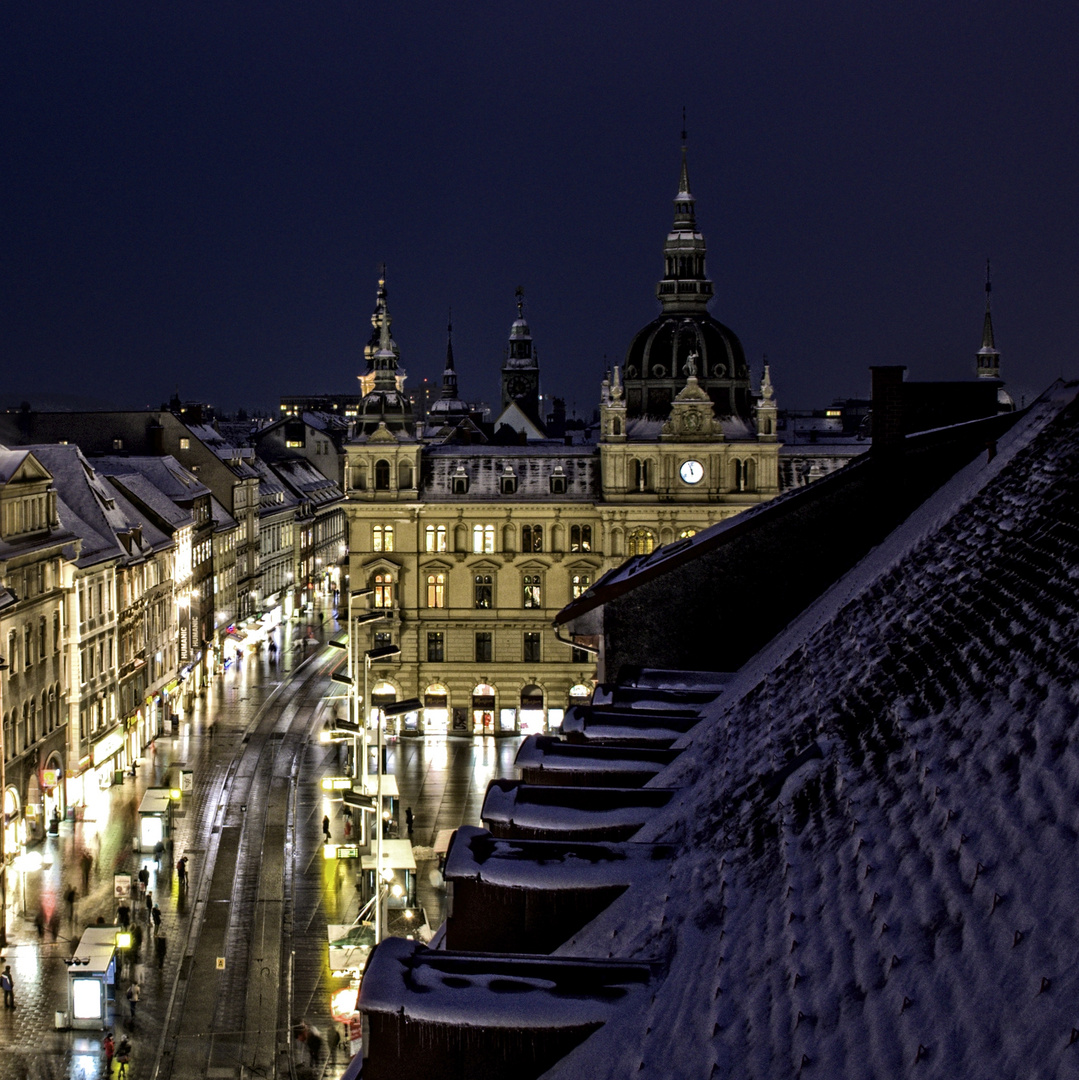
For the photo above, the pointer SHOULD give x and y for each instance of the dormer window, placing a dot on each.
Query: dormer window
(459, 481)
(508, 481)
(558, 481)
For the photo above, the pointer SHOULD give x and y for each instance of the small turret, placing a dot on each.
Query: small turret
(765, 409)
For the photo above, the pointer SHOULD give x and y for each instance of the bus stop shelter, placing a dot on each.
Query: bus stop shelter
(155, 818)
(92, 978)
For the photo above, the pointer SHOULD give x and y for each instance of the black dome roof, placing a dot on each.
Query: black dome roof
(657, 365)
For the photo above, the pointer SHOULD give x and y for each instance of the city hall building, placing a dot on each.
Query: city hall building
(469, 539)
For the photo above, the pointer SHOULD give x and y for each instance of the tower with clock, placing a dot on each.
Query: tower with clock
(520, 373)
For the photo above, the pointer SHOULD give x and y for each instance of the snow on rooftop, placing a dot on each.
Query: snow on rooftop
(877, 875)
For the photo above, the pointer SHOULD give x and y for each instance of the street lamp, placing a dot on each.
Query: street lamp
(397, 708)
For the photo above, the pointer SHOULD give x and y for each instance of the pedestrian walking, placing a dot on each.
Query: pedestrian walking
(326, 827)
(149, 905)
(159, 850)
(123, 1056)
(109, 1046)
(159, 949)
(181, 870)
(133, 998)
(408, 819)
(156, 916)
(348, 827)
(39, 923)
(314, 1044)
(333, 1041)
(54, 924)
(87, 865)
(144, 879)
(7, 984)
(71, 896)
(123, 914)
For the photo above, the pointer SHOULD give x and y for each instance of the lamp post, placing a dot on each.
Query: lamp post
(398, 708)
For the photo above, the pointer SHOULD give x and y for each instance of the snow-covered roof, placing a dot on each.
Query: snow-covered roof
(545, 864)
(513, 809)
(542, 754)
(495, 992)
(532, 465)
(876, 874)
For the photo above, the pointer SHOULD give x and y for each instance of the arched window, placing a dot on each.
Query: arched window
(483, 591)
(483, 539)
(640, 542)
(532, 538)
(436, 590)
(383, 590)
(382, 475)
(533, 597)
(434, 538)
(580, 538)
(579, 584)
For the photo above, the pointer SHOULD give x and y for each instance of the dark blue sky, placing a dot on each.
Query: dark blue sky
(197, 196)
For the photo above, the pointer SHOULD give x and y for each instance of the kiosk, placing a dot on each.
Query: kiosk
(155, 818)
(91, 978)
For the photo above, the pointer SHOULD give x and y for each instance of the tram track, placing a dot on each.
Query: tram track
(220, 1019)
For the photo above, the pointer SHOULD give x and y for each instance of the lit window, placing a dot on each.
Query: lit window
(436, 651)
(185, 443)
(579, 584)
(484, 591)
(436, 590)
(435, 538)
(532, 538)
(483, 539)
(640, 542)
(580, 538)
(532, 595)
(383, 590)
(382, 538)
(685, 534)
(532, 647)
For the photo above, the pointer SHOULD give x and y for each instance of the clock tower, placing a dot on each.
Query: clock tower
(520, 371)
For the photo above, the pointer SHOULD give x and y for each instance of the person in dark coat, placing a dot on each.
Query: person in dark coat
(123, 913)
(159, 949)
(326, 828)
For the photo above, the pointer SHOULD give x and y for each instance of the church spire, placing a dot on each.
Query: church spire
(449, 375)
(988, 359)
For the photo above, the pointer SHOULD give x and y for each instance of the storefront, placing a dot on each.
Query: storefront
(436, 713)
(385, 693)
(483, 710)
(532, 717)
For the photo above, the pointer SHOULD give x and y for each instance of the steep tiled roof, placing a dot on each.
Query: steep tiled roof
(877, 874)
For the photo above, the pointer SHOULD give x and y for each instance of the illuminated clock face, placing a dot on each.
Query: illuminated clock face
(692, 472)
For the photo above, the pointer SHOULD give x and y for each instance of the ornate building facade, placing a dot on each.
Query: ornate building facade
(469, 547)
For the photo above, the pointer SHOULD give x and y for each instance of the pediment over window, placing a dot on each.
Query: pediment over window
(381, 563)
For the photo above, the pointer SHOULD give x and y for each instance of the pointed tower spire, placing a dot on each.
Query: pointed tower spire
(988, 359)
(684, 287)
(765, 410)
(449, 375)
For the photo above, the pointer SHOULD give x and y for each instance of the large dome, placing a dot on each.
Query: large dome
(657, 364)
(658, 360)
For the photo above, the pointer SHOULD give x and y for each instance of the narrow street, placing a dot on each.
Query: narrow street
(245, 941)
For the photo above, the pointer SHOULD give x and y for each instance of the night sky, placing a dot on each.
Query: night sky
(197, 196)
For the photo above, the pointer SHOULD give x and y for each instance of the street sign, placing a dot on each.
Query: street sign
(356, 799)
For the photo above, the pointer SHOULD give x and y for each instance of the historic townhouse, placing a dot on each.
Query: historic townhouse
(34, 544)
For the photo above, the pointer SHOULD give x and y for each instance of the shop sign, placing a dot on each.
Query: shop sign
(336, 783)
(434, 701)
(50, 777)
(108, 746)
(483, 702)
